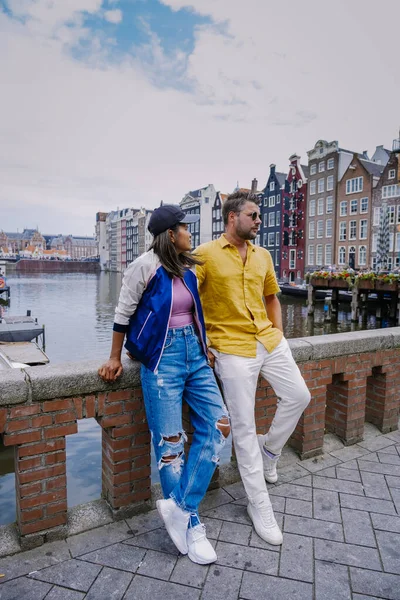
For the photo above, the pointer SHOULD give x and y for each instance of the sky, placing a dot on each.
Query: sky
(109, 104)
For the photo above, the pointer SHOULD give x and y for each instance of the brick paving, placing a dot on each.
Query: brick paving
(340, 514)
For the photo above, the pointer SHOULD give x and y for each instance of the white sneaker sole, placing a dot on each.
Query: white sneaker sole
(182, 546)
(200, 561)
(276, 541)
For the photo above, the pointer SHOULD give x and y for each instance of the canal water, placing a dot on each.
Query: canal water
(78, 312)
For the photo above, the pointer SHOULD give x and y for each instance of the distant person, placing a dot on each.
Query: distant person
(160, 314)
(238, 287)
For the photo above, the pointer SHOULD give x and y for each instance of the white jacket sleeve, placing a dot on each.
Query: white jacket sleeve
(134, 282)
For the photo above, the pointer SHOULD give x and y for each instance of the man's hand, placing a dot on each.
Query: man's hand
(111, 370)
(211, 358)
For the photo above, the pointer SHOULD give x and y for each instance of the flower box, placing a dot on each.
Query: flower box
(342, 284)
(319, 282)
(366, 284)
(381, 286)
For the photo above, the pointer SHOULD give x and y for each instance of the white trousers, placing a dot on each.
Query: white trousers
(238, 376)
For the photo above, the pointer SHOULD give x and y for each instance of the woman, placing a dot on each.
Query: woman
(160, 313)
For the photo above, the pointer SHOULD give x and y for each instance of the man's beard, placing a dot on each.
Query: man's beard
(245, 235)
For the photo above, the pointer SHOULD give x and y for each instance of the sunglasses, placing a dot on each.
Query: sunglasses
(254, 215)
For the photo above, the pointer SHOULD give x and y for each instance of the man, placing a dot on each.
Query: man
(238, 288)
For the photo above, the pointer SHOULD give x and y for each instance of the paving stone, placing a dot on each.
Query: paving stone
(389, 546)
(347, 554)
(98, 538)
(373, 457)
(393, 435)
(234, 512)
(278, 502)
(305, 481)
(298, 507)
(222, 582)
(362, 597)
(396, 498)
(74, 574)
(349, 452)
(247, 558)
(235, 533)
(376, 443)
(369, 504)
(33, 560)
(375, 485)
(297, 558)
(383, 469)
(289, 490)
(389, 459)
(110, 585)
(350, 464)
(326, 505)
(382, 585)
(213, 527)
(236, 490)
(144, 587)
(117, 556)
(157, 564)
(330, 472)
(291, 473)
(61, 593)
(313, 465)
(331, 581)
(358, 528)
(313, 528)
(154, 540)
(386, 522)
(187, 572)
(389, 450)
(144, 523)
(393, 482)
(261, 587)
(348, 474)
(213, 499)
(337, 485)
(24, 588)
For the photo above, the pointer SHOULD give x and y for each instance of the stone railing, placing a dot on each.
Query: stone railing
(353, 378)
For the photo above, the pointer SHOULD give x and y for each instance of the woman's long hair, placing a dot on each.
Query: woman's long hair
(175, 264)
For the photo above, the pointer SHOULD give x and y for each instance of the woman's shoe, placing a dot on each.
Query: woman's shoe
(176, 522)
(200, 550)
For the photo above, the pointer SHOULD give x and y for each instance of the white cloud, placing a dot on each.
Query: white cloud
(85, 137)
(113, 16)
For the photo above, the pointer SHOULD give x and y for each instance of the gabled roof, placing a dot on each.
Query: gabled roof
(306, 170)
(373, 169)
(281, 178)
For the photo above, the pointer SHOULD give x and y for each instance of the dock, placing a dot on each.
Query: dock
(21, 329)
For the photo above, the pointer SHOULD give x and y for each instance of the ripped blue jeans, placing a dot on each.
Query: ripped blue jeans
(183, 374)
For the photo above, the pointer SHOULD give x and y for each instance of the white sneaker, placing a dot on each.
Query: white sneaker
(176, 522)
(270, 464)
(200, 550)
(264, 522)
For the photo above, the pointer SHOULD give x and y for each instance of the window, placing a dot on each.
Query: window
(377, 215)
(353, 230)
(353, 206)
(397, 242)
(320, 229)
(364, 205)
(392, 174)
(362, 256)
(328, 254)
(272, 186)
(391, 210)
(329, 183)
(328, 228)
(319, 255)
(271, 219)
(363, 229)
(320, 206)
(271, 201)
(313, 169)
(265, 201)
(343, 208)
(277, 258)
(272, 253)
(329, 205)
(390, 191)
(277, 218)
(271, 239)
(312, 187)
(265, 219)
(321, 167)
(374, 242)
(391, 241)
(342, 231)
(321, 185)
(398, 213)
(277, 239)
(354, 185)
(278, 198)
(265, 240)
(311, 208)
(342, 255)
(292, 259)
(311, 230)
(331, 164)
(311, 255)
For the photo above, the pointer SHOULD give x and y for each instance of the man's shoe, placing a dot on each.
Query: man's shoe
(269, 463)
(200, 550)
(176, 522)
(264, 522)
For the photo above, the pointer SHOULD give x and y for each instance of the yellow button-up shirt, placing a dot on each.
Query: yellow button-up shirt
(232, 297)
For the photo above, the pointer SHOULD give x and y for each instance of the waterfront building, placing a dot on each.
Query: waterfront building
(354, 199)
(200, 202)
(218, 226)
(386, 207)
(101, 239)
(293, 222)
(271, 215)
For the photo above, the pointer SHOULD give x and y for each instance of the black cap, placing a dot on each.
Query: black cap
(168, 215)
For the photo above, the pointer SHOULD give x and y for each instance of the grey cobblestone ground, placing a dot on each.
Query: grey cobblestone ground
(340, 515)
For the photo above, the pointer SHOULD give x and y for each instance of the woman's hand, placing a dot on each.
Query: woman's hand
(111, 370)
(211, 359)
